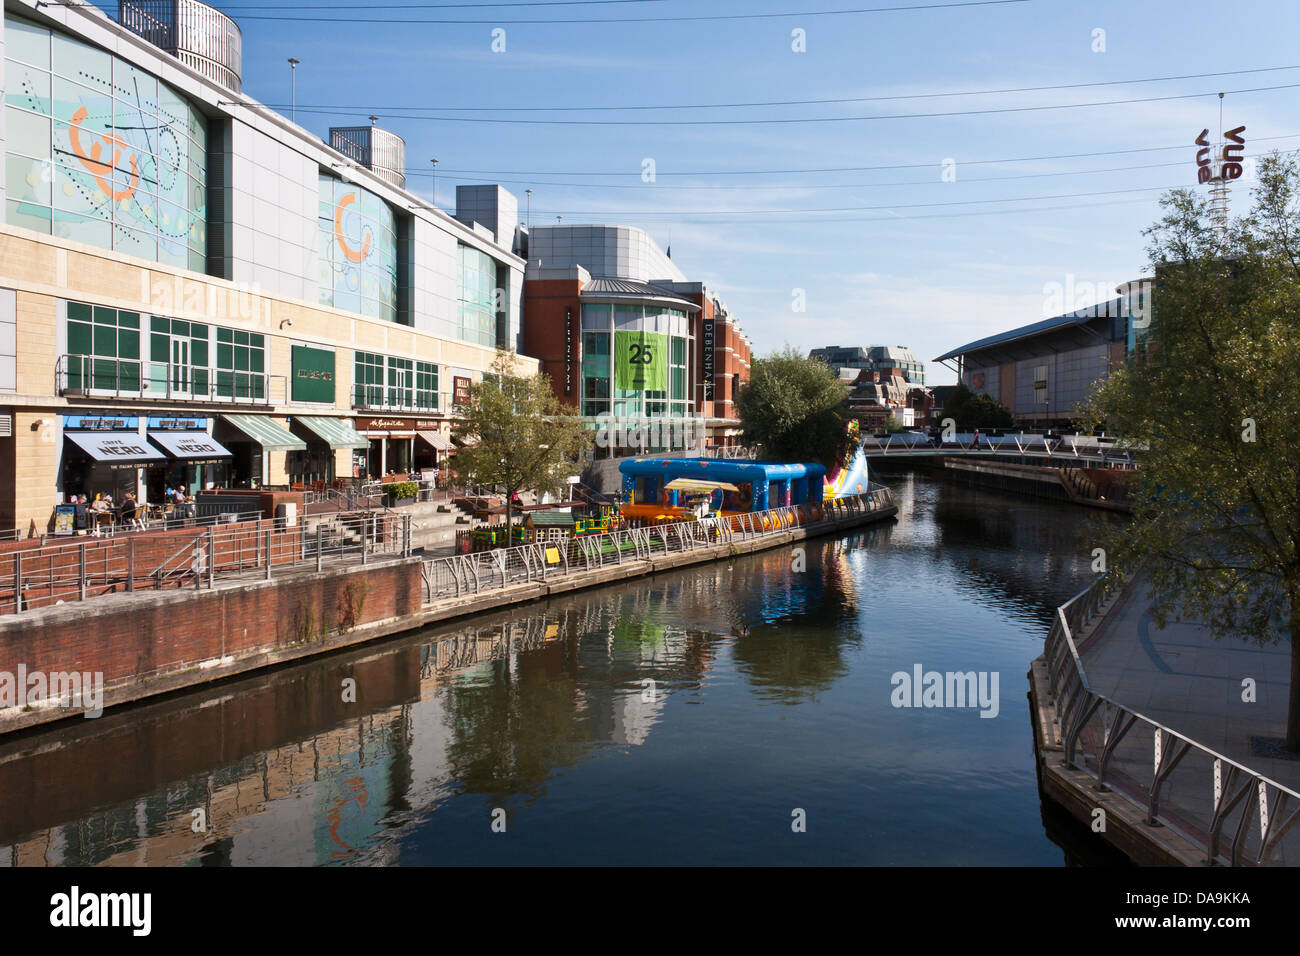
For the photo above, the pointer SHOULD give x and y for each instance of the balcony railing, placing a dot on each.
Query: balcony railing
(94, 377)
(388, 399)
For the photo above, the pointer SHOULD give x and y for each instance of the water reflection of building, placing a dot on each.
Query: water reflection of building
(285, 772)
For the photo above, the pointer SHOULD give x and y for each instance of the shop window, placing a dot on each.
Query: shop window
(179, 358)
(426, 386)
(241, 365)
(103, 348)
(368, 380)
(400, 383)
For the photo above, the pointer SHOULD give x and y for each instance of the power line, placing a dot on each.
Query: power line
(753, 186)
(697, 18)
(920, 205)
(813, 119)
(769, 103)
(903, 218)
(928, 164)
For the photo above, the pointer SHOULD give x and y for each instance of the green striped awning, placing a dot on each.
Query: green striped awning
(335, 432)
(272, 436)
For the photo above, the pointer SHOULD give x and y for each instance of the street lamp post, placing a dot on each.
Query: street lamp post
(293, 88)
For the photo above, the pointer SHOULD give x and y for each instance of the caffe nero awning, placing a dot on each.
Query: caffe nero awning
(116, 449)
(193, 448)
(334, 432)
(272, 436)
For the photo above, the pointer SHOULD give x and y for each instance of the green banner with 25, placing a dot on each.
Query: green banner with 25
(641, 361)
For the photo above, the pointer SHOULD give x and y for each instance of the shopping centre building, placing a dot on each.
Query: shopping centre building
(195, 290)
(651, 359)
(1043, 372)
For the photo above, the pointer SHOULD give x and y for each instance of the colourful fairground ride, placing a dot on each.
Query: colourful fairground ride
(667, 490)
(853, 477)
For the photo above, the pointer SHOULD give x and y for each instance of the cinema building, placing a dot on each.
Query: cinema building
(194, 290)
(626, 337)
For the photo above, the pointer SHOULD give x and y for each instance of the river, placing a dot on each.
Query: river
(743, 712)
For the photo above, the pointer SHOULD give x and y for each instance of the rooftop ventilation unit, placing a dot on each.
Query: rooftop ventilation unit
(381, 152)
(201, 37)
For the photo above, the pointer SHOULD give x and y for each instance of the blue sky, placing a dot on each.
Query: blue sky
(929, 283)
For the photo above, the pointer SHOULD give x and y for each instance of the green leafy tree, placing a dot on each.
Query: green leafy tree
(520, 436)
(795, 408)
(969, 410)
(1215, 410)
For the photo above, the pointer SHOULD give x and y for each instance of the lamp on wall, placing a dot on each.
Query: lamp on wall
(286, 324)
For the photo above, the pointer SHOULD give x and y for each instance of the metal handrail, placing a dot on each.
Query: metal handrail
(81, 569)
(1076, 707)
(77, 374)
(497, 568)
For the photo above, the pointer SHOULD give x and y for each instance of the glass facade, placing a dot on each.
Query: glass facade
(101, 152)
(358, 250)
(476, 283)
(608, 331)
(389, 382)
(120, 351)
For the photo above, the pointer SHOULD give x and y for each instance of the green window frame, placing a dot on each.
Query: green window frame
(426, 386)
(241, 364)
(368, 380)
(401, 382)
(103, 348)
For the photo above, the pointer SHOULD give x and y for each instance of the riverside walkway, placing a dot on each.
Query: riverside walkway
(1185, 679)
(1165, 741)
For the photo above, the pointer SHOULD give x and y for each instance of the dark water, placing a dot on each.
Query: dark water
(771, 695)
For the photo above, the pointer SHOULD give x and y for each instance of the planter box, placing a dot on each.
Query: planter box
(398, 502)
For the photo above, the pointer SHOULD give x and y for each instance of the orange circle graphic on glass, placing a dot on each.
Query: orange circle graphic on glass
(98, 167)
(355, 255)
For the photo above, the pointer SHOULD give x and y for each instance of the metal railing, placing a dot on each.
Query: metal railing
(404, 398)
(730, 451)
(1013, 445)
(1229, 812)
(196, 556)
(480, 571)
(94, 377)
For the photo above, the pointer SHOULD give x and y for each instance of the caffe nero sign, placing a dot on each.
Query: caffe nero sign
(312, 371)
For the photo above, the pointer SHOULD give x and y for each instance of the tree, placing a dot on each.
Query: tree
(1216, 517)
(969, 410)
(795, 408)
(521, 435)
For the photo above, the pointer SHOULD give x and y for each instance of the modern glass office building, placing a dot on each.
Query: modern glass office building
(176, 257)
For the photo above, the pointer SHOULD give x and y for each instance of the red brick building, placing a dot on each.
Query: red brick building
(578, 322)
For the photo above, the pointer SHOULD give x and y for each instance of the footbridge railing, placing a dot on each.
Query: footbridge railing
(1232, 814)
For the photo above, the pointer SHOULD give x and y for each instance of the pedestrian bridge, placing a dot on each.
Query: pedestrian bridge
(1067, 449)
